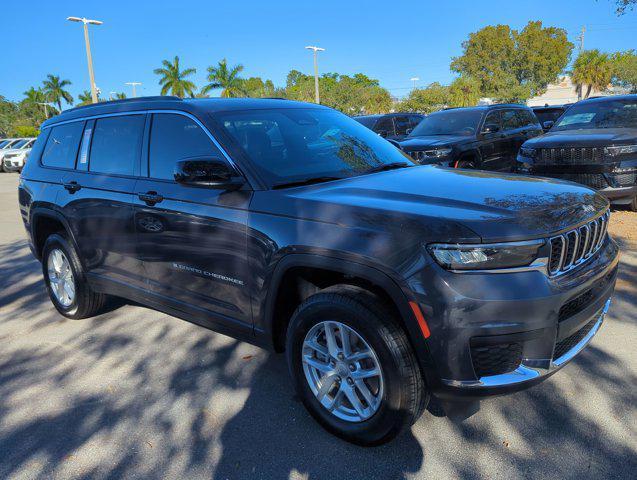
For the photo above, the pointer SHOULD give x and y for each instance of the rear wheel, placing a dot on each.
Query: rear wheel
(65, 281)
(353, 367)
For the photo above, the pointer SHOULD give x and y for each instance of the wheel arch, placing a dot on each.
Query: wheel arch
(354, 273)
(45, 221)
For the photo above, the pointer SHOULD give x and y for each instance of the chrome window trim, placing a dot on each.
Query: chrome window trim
(143, 112)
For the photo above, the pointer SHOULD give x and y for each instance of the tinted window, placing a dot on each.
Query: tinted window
(19, 144)
(527, 118)
(510, 120)
(401, 124)
(367, 121)
(61, 147)
(415, 120)
(295, 144)
(449, 122)
(116, 144)
(548, 115)
(175, 137)
(386, 125)
(494, 118)
(3, 143)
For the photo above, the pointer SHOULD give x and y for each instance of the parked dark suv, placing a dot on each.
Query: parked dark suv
(393, 126)
(594, 143)
(484, 137)
(294, 227)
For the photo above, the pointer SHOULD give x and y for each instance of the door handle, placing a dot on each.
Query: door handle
(150, 198)
(72, 187)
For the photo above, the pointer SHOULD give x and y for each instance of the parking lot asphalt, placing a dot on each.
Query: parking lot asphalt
(135, 393)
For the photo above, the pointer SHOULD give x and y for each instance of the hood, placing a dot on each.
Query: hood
(446, 205)
(598, 137)
(411, 144)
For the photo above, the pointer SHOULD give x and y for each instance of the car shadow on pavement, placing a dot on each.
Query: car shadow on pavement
(135, 393)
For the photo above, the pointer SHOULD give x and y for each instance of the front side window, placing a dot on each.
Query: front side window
(510, 120)
(607, 113)
(548, 115)
(402, 125)
(174, 137)
(527, 118)
(116, 144)
(494, 118)
(449, 122)
(61, 146)
(293, 145)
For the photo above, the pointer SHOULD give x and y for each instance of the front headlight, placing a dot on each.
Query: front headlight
(620, 150)
(528, 152)
(438, 152)
(485, 257)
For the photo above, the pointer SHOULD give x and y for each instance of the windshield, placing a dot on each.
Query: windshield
(449, 122)
(4, 143)
(294, 145)
(600, 114)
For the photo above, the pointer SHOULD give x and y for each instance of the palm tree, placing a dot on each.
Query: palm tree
(592, 69)
(34, 95)
(85, 98)
(174, 81)
(464, 92)
(54, 90)
(227, 79)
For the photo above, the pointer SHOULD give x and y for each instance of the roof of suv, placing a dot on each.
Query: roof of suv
(487, 107)
(192, 105)
(610, 98)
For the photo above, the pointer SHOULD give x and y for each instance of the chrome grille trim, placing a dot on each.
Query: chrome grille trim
(577, 245)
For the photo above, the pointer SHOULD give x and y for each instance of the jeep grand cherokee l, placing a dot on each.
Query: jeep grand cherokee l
(594, 143)
(485, 137)
(294, 227)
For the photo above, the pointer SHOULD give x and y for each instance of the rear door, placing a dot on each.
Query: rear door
(493, 146)
(97, 198)
(192, 240)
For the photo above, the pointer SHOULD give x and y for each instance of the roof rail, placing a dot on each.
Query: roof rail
(156, 98)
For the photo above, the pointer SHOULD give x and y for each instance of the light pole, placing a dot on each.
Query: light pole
(86, 22)
(414, 79)
(46, 109)
(133, 84)
(316, 83)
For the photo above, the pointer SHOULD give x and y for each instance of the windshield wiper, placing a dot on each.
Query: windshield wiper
(388, 166)
(305, 181)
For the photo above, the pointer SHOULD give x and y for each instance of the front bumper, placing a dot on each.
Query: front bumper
(619, 195)
(528, 309)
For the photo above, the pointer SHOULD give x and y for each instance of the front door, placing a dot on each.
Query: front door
(192, 240)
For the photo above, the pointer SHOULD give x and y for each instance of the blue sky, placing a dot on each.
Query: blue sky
(391, 41)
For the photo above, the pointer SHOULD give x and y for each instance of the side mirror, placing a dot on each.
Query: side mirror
(382, 133)
(491, 128)
(408, 131)
(548, 124)
(207, 172)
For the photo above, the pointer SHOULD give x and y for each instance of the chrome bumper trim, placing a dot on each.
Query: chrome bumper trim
(532, 368)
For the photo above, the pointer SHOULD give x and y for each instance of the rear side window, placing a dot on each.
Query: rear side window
(116, 144)
(61, 147)
(174, 137)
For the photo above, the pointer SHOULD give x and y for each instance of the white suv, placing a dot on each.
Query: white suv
(12, 158)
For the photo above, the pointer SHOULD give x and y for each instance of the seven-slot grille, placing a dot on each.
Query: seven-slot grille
(571, 156)
(578, 245)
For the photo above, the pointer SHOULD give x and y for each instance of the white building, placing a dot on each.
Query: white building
(565, 91)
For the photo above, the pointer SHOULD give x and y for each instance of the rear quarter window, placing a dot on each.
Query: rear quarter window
(62, 144)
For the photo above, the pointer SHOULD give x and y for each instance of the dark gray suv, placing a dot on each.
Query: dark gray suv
(291, 226)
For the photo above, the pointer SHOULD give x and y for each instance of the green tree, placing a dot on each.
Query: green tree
(256, 87)
(119, 96)
(426, 100)
(624, 5)
(85, 98)
(625, 70)
(464, 92)
(592, 70)
(54, 90)
(26, 131)
(34, 95)
(227, 79)
(173, 80)
(511, 64)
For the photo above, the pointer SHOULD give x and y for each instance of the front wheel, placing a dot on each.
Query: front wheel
(353, 367)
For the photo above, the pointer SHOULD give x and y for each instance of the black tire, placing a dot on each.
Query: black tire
(404, 397)
(86, 303)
